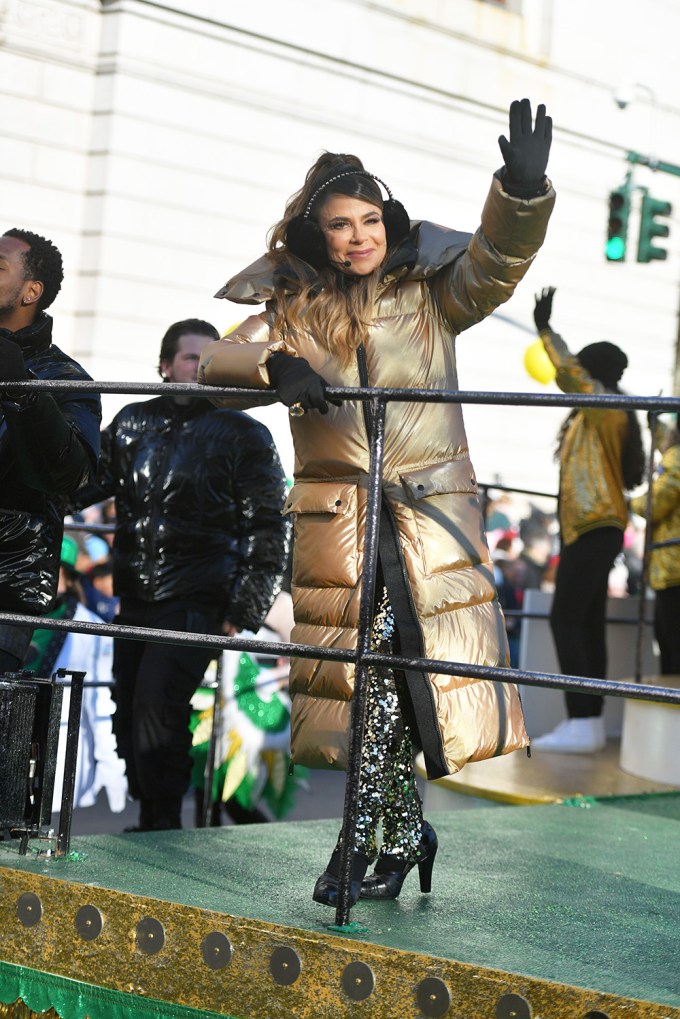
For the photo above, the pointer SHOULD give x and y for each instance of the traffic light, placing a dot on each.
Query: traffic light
(617, 227)
(651, 209)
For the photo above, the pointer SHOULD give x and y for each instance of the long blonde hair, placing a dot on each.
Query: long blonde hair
(315, 302)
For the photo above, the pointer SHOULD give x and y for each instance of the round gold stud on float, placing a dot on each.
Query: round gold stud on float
(89, 922)
(358, 981)
(285, 966)
(216, 950)
(513, 1006)
(150, 935)
(296, 410)
(29, 909)
(433, 997)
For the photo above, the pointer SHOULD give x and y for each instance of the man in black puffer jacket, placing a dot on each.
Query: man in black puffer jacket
(49, 442)
(200, 546)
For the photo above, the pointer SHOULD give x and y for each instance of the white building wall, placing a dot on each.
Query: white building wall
(156, 143)
(48, 57)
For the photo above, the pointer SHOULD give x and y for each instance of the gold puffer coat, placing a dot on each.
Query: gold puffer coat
(433, 549)
(664, 563)
(591, 475)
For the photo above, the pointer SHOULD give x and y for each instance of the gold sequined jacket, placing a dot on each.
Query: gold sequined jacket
(664, 563)
(433, 549)
(591, 476)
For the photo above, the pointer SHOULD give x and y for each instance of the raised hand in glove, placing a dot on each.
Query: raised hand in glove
(295, 381)
(12, 367)
(543, 308)
(526, 153)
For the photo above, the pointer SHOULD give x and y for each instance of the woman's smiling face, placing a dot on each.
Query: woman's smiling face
(354, 232)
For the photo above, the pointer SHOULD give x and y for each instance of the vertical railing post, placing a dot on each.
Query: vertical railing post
(642, 603)
(209, 772)
(70, 759)
(360, 694)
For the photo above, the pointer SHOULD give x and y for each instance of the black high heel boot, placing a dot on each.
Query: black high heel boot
(388, 876)
(326, 887)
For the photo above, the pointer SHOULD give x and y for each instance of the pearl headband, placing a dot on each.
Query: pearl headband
(346, 173)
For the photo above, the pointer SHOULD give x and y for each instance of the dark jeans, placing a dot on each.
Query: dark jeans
(667, 629)
(154, 684)
(577, 618)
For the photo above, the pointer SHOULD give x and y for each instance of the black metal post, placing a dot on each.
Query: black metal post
(209, 773)
(359, 696)
(70, 760)
(647, 550)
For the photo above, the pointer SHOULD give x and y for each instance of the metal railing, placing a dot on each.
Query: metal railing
(363, 657)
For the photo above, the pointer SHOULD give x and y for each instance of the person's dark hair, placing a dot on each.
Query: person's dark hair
(633, 459)
(43, 263)
(606, 362)
(175, 332)
(102, 569)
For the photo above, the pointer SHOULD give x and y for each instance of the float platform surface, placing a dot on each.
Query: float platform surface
(558, 910)
(542, 778)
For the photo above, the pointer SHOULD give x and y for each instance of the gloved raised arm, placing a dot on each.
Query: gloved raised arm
(526, 152)
(543, 308)
(570, 376)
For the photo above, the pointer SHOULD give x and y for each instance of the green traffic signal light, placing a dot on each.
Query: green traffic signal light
(651, 229)
(615, 249)
(617, 226)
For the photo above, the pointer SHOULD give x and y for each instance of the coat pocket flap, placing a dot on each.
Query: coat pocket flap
(440, 479)
(321, 497)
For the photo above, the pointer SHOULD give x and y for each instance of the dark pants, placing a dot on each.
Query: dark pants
(577, 618)
(667, 629)
(154, 684)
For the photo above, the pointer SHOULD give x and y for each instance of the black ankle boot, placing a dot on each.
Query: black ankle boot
(166, 813)
(145, 822)
(326, 887)
(386, 880)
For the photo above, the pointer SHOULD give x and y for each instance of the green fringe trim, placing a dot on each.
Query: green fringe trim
(73, 1000)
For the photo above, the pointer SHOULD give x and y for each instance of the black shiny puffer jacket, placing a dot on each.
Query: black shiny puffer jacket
(49, 443)
(199, 493)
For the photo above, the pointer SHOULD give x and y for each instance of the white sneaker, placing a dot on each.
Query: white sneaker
(573, 736)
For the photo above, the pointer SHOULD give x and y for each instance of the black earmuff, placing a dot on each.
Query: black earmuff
(305, 239)
(397, 222)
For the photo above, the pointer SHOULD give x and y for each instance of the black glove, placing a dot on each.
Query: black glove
(543, 308)
(12, 367)
(295, 381)
(526, 154)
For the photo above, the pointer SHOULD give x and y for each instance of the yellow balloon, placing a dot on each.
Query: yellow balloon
(225, 332)
(538, 364)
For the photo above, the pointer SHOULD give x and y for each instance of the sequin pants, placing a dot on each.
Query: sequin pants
(387, 785)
